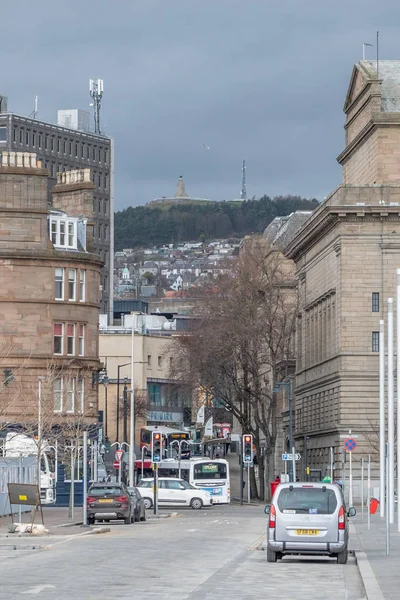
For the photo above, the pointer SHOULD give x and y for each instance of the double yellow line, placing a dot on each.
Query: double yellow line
(257, 543)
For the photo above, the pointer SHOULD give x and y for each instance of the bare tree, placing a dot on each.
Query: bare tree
(244, 341)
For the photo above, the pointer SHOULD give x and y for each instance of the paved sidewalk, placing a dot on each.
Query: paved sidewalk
(385, 569)
(54, 519)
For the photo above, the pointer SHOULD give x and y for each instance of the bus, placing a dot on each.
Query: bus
(168, 434)
(211, 475)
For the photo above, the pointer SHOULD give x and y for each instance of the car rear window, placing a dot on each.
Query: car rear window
(307, 500)
(103, 491)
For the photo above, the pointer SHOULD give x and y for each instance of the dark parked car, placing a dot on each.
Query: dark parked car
(107, 502)
(139, 509)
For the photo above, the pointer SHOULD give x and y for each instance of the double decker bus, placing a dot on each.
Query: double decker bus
(169, 435)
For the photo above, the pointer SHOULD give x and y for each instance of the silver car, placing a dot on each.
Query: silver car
(308, 518)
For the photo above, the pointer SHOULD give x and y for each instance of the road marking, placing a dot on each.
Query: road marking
(38, 589)
(257, 543)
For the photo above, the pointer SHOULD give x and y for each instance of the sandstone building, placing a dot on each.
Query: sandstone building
(67, 146)
(49, 295)
(346, 255)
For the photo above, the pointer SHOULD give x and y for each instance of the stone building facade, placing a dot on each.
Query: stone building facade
(346, 255)
(62, 149)
(49, 296)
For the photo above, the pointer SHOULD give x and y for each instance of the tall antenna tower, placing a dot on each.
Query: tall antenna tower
(243, 193)
(96, 89)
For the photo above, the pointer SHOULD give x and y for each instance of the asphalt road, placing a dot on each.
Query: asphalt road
(198, 555)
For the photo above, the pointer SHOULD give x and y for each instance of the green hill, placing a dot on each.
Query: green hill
(154, 226)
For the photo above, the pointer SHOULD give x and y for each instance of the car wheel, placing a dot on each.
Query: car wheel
(342, 557)
(147, 503)
(271, 555)
(196, 503)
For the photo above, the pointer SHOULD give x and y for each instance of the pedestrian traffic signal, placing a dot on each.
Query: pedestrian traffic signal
(156, 447)
(247, 448)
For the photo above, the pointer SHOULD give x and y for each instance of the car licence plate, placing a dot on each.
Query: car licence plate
(307, 531)
(108, 500)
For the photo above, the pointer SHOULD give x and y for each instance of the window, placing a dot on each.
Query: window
(58, 338)
(63, 232)
(81, 340)
(64, 146)
(70, 396)
(105, 181)
(105, 233)
(71, 234)
(375, 341)
(154, 394)
(76, 149)
(58, 394)
(34, 138)
(94, 153)
(52, 143)
(88, 151)
(375, 301)
(305, 500)
(70, 147)
(58, 144)
(59, 284)
(82, 285)
(70, 339)
(27, 137)
(159, 362)
(206, 470)
(149, 360)
(21, 136)
(72, 285)
(3, 134)
(40, 140)
(80, 392)
(106, 155)
(46, 141)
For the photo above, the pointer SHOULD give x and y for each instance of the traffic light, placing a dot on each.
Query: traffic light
(156, 447)
(247, 448)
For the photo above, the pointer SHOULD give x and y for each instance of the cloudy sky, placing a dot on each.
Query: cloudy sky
(253, 79)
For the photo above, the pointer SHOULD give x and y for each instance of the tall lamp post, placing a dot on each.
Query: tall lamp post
(118, 377)
(105, 381)
(288, 385)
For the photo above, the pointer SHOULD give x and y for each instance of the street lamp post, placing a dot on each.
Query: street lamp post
(288, 385)
(105, 381)
(125, 396)
(118, 377)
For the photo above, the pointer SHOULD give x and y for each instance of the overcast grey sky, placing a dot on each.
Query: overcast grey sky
(253, 79)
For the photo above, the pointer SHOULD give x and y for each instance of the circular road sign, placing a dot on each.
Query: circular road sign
(116, 464)
(350, 444)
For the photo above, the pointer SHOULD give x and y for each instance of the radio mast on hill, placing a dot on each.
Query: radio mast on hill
(243, 193)
(96, 89)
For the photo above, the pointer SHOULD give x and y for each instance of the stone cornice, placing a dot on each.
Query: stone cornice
(328, 216)
(383, 119)
(73, 187)
(316, 301)
(24, 171)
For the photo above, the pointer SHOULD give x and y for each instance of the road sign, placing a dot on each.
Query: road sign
(116, 464)
(350, 444)
(290, 456)
(118, 455)
(346, 435)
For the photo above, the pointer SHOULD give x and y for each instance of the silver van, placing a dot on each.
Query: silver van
(308, 518)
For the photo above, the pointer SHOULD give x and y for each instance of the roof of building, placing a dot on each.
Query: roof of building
(282, 230)
(389, 73)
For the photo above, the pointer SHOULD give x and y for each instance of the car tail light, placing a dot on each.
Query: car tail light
(341, 520)
(121, 499)
(272, 517)
(90, 499)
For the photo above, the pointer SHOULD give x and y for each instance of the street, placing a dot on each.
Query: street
(197, 555)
